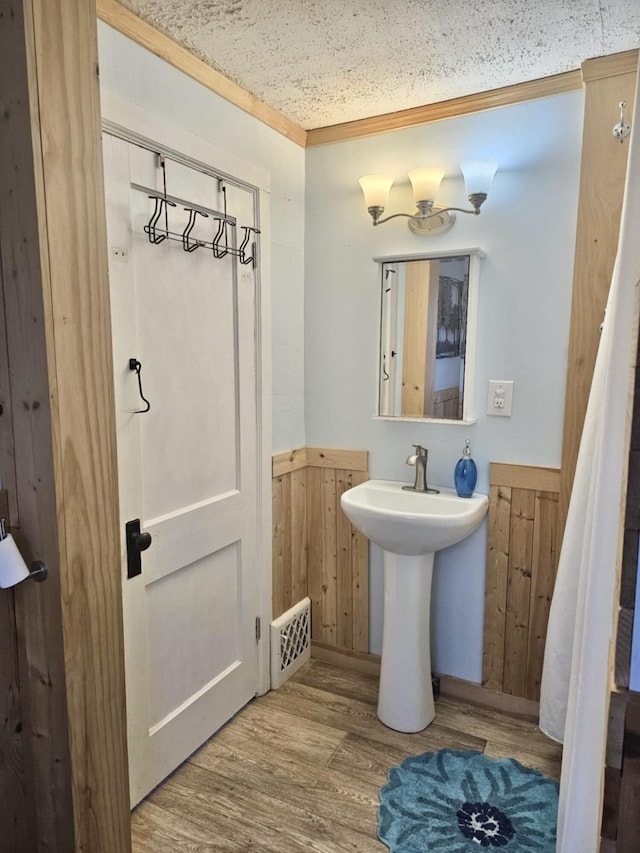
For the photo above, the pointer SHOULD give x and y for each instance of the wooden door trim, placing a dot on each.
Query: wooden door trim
(69, 630)
(602, 176)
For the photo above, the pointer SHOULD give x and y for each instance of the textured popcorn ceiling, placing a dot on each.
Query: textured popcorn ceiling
(322, 62)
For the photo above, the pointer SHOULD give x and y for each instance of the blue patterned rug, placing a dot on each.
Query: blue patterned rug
(459, 802)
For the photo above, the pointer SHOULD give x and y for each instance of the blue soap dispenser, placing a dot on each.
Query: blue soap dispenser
(466, 473)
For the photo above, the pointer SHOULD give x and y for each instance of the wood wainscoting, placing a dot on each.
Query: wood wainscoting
(522, 556)
(316, 550)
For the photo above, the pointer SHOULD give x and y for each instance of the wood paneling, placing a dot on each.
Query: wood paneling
(68, 631)
(130, 25)
(602, 175)
(316, 551)
(320, 457)
(522, 559)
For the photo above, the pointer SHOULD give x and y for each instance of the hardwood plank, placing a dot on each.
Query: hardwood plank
(366, 759)
(324, 457)
(324, 792)
(7, 444)
(246, 814)
(279, 523)
(624, 632)
(524, 476)
(360, 579)
(338, 680)
(518, 591)
(511, 733)
(156, 830)
(495, 612)
(519, 93)
(354, 717)
(292, 460)
(299, 574)
(610, 805)
(544, 565)
(550, 766)
(344, 566)
(13, 780)
(287, 560)
(329, 558)
(314, 548)
(271, 732)
(371, 760)
(130, 25)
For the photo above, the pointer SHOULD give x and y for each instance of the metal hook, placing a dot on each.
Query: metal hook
(134, 364)
(150, 229)
(623, 128)
(187, 245)
(222, 232)
(248, 231)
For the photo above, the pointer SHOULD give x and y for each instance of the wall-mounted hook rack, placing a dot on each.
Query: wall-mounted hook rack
(223, 241)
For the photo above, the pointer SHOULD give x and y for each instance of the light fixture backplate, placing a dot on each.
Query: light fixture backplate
(437, 224)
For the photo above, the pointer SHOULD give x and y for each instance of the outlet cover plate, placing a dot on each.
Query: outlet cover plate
(500, 398)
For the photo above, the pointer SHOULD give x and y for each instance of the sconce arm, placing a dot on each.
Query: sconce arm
(476, 199)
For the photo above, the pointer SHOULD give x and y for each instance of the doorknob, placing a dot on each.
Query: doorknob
(137, 542)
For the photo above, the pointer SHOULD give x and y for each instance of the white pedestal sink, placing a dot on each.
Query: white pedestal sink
(410, 527)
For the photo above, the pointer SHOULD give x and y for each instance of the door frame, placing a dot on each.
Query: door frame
(131, 123)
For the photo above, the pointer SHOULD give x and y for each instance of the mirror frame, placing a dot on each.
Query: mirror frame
(475, 255)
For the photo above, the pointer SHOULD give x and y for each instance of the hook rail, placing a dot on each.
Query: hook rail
(223, 241)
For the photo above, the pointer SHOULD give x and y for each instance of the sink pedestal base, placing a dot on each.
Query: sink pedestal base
(405, 701)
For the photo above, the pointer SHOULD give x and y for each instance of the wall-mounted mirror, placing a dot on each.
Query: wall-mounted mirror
(427, 336)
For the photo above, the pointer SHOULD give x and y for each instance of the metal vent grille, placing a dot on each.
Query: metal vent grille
(290, 642)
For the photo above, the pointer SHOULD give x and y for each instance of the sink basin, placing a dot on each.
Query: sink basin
(412, 523)
(409, 527)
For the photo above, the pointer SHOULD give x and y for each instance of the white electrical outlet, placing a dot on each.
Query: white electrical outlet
(500, 398)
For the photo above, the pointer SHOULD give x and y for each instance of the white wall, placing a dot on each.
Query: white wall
(138, 76)
(527, 229)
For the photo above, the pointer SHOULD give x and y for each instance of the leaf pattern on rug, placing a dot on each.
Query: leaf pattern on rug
(463, 801)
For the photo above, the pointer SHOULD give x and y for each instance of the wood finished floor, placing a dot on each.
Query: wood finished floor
(300, 768)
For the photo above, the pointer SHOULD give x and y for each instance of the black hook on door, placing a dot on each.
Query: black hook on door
(134, 364)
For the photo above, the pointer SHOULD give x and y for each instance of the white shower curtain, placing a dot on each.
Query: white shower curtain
(575, 680)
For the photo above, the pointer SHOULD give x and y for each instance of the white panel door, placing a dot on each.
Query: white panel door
(187, 467)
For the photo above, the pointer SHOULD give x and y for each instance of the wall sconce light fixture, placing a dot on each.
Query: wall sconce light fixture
(430, 218)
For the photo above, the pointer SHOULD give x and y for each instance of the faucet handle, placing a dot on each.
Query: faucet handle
(420, 451)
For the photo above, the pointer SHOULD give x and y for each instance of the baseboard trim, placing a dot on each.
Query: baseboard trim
(476, 694)
(346, 658)
(456, 688)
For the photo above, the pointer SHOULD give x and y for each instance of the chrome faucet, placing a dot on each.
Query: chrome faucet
(419, 459)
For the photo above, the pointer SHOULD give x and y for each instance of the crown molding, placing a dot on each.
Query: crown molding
(544, 87)
(144, 34)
